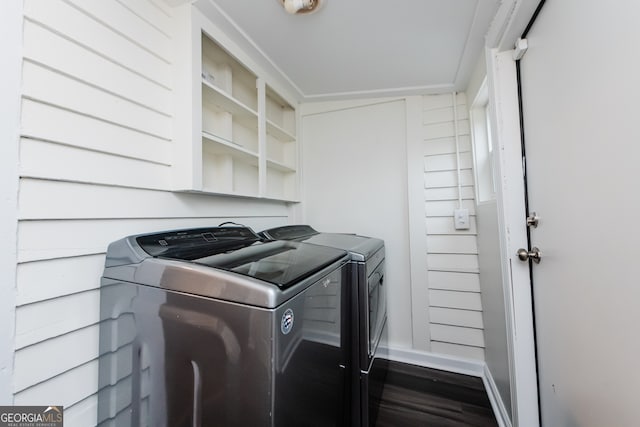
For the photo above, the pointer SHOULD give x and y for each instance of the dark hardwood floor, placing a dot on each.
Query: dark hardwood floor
(417, 396)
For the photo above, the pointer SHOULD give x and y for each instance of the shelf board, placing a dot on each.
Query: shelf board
(279, 132)
(225, 102)
(218, 145)
(218, 192)
(280, 198)
(280, 166)
(211, 190)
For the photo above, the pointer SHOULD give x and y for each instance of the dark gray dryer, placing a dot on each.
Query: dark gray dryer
(368, 310)
(212, 327)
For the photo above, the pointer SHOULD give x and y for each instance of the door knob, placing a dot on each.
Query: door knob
(534, 254)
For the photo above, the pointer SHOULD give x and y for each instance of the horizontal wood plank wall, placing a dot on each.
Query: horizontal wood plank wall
(455, 308)
(95, 165)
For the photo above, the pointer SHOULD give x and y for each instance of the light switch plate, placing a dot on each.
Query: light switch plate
(461, 219)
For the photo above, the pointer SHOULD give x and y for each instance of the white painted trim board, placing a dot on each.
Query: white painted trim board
(10, 87)
(458, 365)
(499, 410)
(417, 226)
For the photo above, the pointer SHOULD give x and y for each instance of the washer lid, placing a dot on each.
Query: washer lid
(282, 263)
(361, 248)
(289, 232)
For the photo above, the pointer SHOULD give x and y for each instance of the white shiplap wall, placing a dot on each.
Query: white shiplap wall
(95, 165)
(455, 309)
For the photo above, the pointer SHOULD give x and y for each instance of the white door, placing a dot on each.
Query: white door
(580, 82)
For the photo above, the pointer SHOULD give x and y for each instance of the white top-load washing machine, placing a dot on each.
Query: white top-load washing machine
(214, 327)
(368, 310)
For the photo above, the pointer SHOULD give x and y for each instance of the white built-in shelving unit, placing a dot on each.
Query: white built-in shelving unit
(230, 123)
(281, 146)
(244, 138)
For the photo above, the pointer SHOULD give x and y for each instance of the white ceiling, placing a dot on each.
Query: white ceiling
(364, 48)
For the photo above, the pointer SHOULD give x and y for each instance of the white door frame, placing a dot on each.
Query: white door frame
(503, 94)
(511, 19)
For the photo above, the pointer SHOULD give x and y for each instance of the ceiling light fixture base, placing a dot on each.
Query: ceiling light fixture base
(300, 7)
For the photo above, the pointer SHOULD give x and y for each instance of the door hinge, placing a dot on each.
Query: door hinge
(520, 49)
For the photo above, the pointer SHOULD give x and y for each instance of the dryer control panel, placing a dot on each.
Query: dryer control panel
(196, 242)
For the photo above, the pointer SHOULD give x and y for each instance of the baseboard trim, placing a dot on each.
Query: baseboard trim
(458, 365)
(499, 410)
